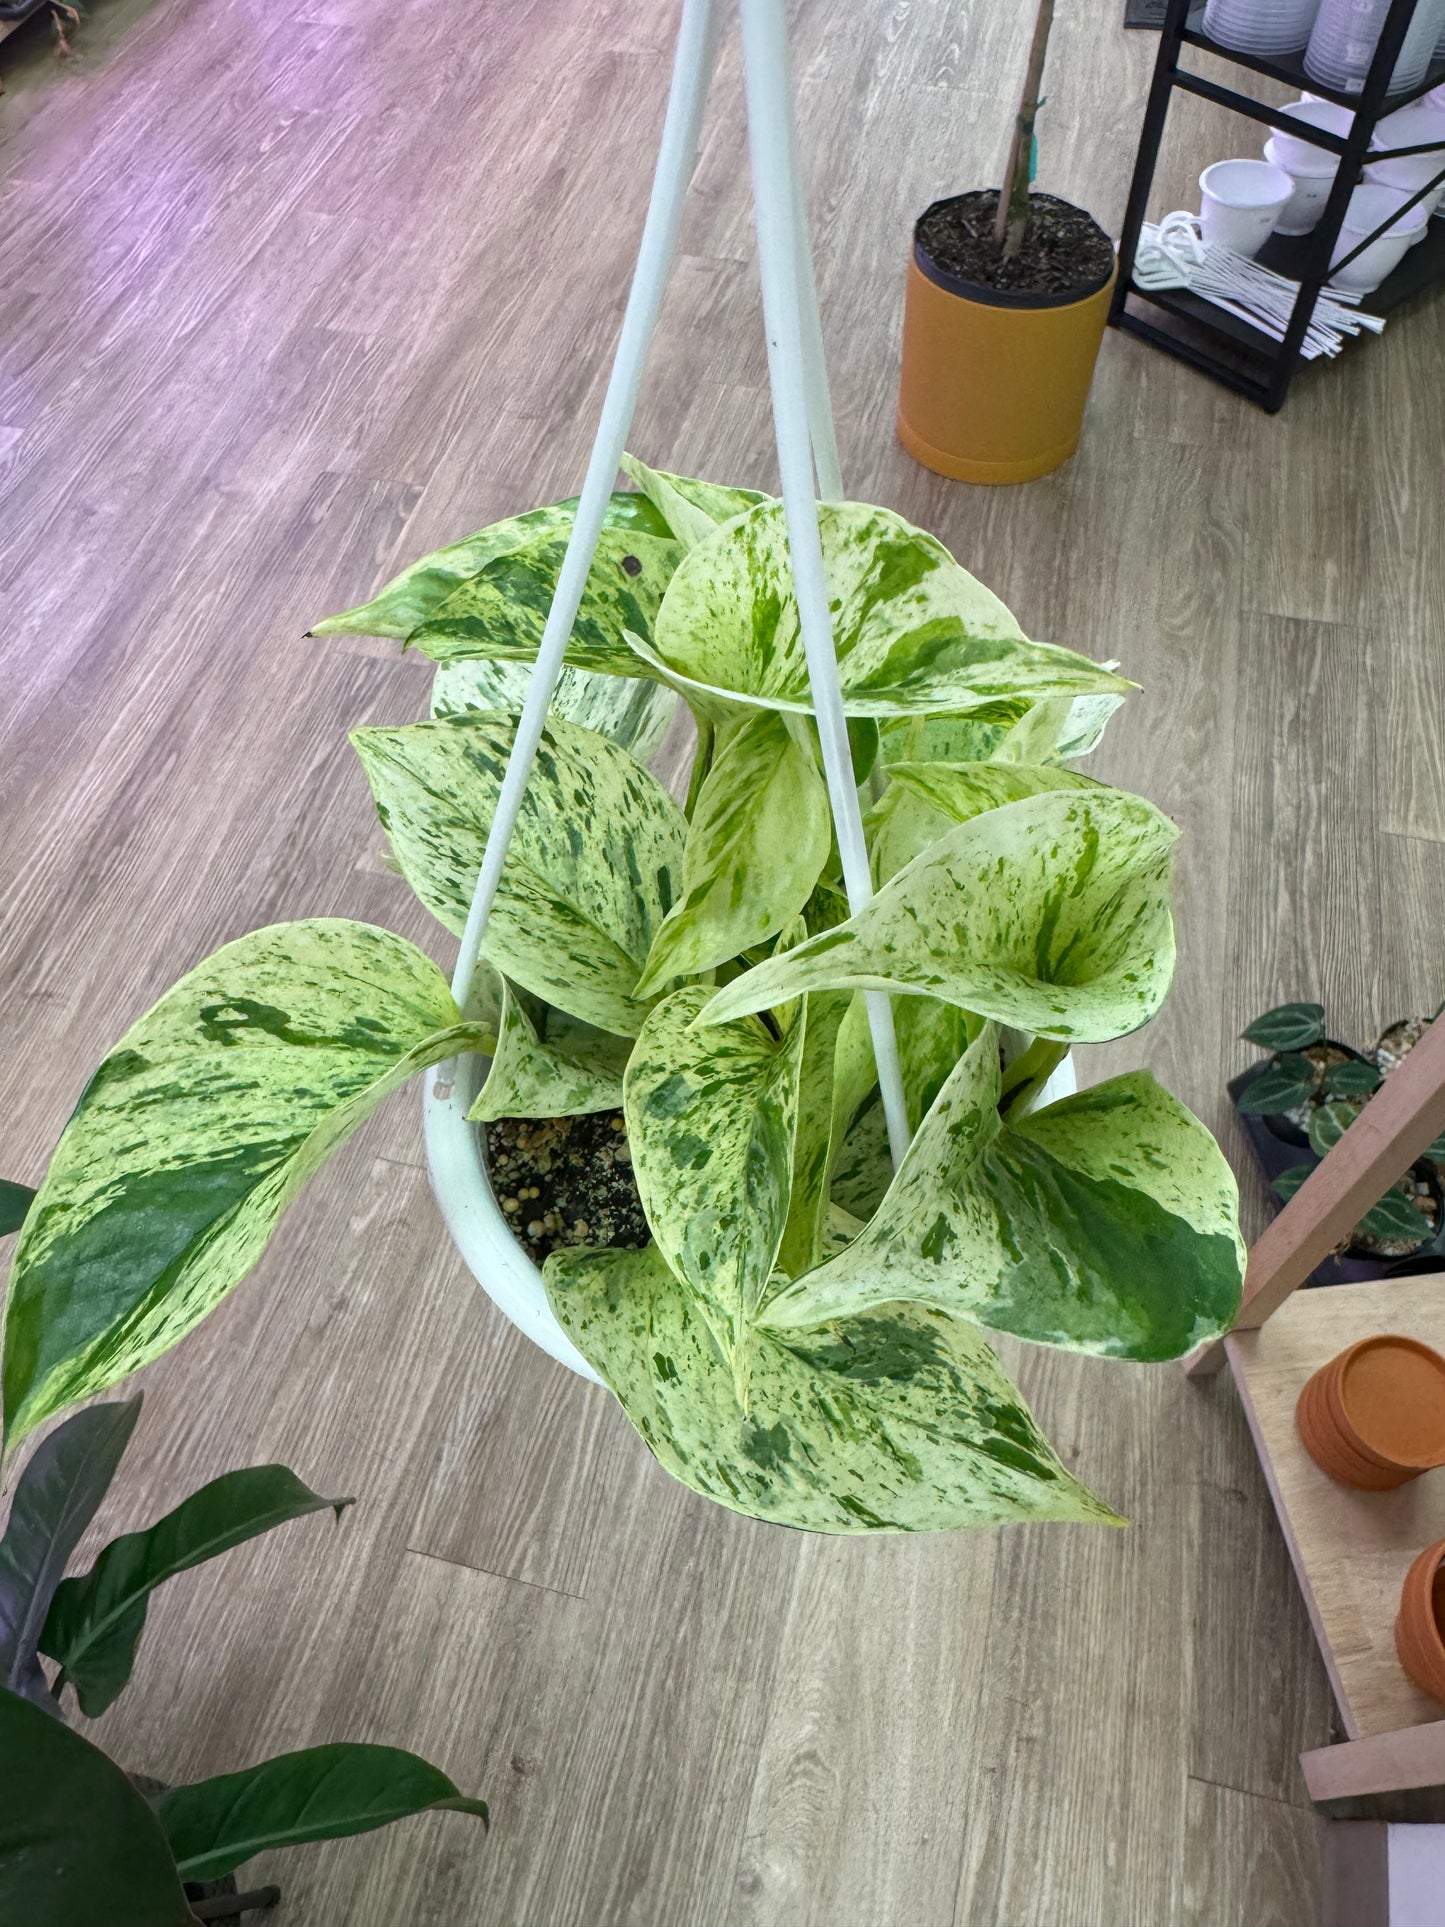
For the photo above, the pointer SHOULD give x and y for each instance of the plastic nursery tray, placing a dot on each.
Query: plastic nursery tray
(1275, 1154)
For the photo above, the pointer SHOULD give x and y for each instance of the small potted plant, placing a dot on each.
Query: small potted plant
(1008, 293)
(83, 1840)
(1305, 1068)
(667, 1047)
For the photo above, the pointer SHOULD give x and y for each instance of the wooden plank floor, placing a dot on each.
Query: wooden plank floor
(293, 294)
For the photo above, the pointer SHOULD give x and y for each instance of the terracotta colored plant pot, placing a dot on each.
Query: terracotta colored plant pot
(1420, 1623)
(1374, 1417)
(993, 389)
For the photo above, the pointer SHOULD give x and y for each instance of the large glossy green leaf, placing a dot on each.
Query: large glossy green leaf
(548, 1064)
(635, 714)
(78, 1843)
(756, 845)
(15, 1201)
(499, 614)
(710, 1119)
(193, 1136)
(321, 1793)
(96, 1621)
(1051, 915)
(65, 1479)
(923, 801)
(594, 865)
(913, 631)
(410, 597)
(900, 1422)
(1106, 1223)
(691, 509)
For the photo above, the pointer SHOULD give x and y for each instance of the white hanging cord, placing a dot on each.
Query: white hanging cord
(1173, 254)
(780, 252)
(821, 429)
(677, 157)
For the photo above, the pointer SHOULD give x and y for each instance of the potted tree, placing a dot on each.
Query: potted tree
(1008, 293)
(672, 1004)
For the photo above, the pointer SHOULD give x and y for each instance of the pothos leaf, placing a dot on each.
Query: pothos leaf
(817, 1081)
(711, 1117)
(548, 1064)
(912, 630)
(635, 714)
(593, 867)
(1050, 914)
(1288, 1027)
(410, 597)
(691, 509)
(902, 1421)
(193, 1136)
(756, 845)
(924, 801)
(1105, 1223)
(499, 614)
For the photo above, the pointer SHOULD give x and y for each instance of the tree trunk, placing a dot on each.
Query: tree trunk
(1013, 200)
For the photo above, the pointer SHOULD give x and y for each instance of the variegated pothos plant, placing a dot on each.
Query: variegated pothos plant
(803, 1339)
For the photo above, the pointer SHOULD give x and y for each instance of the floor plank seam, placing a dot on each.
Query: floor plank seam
(1251, 1793)
(509, 1578)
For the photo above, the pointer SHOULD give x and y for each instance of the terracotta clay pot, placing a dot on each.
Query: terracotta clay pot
(1374, 1417)
(1420, 1623)
(994, 384)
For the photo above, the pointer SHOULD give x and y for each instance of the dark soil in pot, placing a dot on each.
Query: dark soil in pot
(566, 1181)
(1065, 252)
(1396, 1043)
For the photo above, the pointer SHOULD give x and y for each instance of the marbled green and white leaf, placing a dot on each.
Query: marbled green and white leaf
(900, 1421)
(1106, 1223)
(808, 1204)
(594, 865)
(1057, 729)
(499, 614)
(410, 597)
(710, 1119)
(549, 1064)
(912, 630)
(1051, 914)
(193, 1136)
(626, 711)
(756, 845)
(969, 737)
(923, 801)
(691, 509)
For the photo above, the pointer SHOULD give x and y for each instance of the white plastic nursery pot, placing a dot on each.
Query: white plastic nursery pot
(1369, 206)
(458, 1171)
(1240, 201)
(1307, 199)
(1384, 174)
(1296, 154)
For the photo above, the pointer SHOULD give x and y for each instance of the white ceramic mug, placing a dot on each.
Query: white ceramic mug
(1240, 201)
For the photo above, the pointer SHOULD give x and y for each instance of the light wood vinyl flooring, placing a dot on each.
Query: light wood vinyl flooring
(292, 294)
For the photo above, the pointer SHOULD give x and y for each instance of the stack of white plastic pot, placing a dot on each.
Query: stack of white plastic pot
(1264, 27)
(1346, 32)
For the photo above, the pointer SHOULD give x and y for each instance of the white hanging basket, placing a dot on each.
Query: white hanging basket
(808, 466)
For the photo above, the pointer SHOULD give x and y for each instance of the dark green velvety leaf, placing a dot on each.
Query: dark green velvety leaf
(321, 1793)
(1396, 1216)
(1349, 1079)
(499, 614)
(78, 1843)
(1288, 1027)
(903, 1421)
(1328, 1124)
(65, 1479)
(594, 865)
(193, 1136)
(96, 1621)
(14, 1203)
(1105, 1223)
(1281, 1087)
(410, 597)
(1290, 1180)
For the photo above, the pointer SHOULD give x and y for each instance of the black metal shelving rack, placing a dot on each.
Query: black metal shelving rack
(1243, 357)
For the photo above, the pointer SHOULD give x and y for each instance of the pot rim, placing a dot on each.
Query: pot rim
(1398, 1341)
(1005, 297)
(481, 1234)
